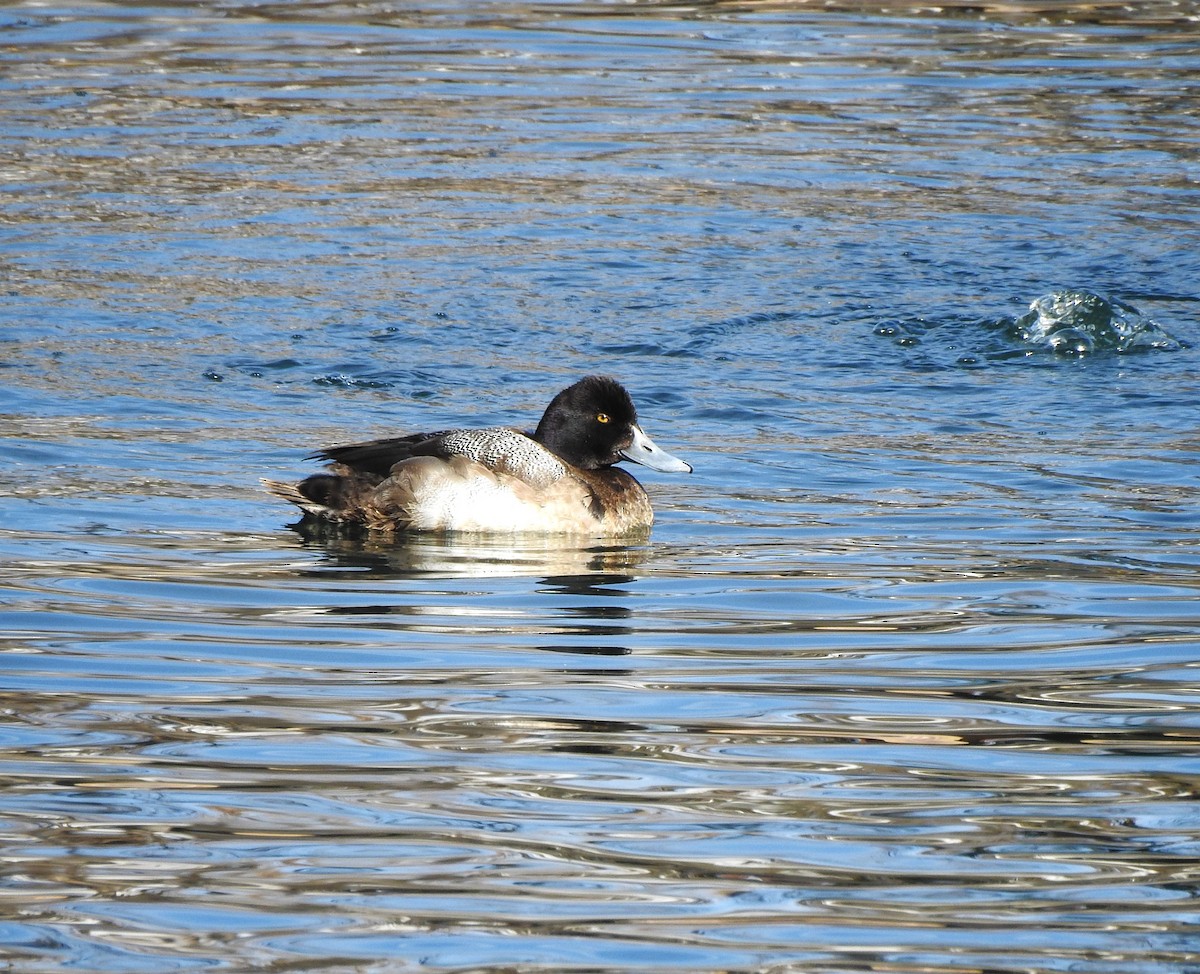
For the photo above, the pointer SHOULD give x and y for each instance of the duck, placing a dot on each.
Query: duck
(560, 478)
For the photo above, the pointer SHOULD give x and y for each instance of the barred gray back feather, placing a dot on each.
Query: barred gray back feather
(505, 450)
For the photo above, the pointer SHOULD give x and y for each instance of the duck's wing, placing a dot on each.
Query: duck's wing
(500, 449)
(377, 457)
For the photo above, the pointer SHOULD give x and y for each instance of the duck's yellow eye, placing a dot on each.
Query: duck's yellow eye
(602, 417)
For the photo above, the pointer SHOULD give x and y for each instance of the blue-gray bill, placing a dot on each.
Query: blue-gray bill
(642, 450)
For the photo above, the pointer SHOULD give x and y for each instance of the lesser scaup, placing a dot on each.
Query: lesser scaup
(560, 478)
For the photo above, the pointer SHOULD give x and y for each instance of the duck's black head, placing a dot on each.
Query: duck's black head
(594, 424)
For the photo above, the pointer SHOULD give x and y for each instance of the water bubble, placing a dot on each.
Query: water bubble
(1071, 341)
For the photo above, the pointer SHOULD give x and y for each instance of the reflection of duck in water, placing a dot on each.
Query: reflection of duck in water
(559, 479)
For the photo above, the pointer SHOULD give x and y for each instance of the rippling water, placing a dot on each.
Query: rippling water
(905, 680)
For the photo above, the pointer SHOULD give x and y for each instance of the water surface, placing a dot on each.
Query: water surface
(905, 679)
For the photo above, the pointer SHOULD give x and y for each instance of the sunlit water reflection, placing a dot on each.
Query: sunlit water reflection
(905, 678)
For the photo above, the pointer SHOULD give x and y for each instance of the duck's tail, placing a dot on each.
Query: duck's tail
(317, 506)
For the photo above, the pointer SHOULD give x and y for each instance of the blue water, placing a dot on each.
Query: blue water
(905, 678)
